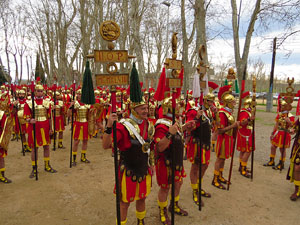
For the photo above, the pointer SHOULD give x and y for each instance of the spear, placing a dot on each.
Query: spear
(253, 126)
(173, 162)
(72, 124)
(116, 161)
(54, 116)
(34, 130)
(236, 129)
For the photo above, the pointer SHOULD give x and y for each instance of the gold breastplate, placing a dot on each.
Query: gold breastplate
(82, 114)
(40, 113)
(57, 111)
(21, 114)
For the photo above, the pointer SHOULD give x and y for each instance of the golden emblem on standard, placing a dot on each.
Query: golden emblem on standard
(110, 30)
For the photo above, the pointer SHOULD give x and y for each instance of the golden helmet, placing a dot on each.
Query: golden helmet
(40, 87)
(78, 91)
(247, 99)
(22, 91)
(225, 96)
(97, 92)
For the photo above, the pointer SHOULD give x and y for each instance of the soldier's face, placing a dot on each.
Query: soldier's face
(78, 97)
(21, 96)
(39, 93)
(142, 111)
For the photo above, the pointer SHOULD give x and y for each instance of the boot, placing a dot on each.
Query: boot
(196, 197)
(222, 179)
(4, 179)
(140, 217)
(296, 194)
(244, 172)
(27, 148)
(177, 209)
(140, 222)
(205, 194)
(14, 137)
(215, 182)
(279, 166)
(60, 145)
(84, 159)
(164, 218)
(33, 172)
(48, 167)
(74, 159)
(213, 146)
(271, 162)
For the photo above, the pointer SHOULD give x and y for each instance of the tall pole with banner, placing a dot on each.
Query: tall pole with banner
(110, 31)
(173, 82)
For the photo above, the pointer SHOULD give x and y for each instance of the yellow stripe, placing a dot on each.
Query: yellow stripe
(123, 185)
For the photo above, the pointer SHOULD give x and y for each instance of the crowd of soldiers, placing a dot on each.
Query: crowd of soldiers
(147, 138)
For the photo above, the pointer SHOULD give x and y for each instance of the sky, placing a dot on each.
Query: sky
(286, 66)
(221, 50)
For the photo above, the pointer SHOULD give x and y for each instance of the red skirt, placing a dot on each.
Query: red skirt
(59, 124)
(244, 143)
(224, 146)
(42, 130)
(279, 138)
(192, 152)
(133, 190)
(81, 131)
(164, 173)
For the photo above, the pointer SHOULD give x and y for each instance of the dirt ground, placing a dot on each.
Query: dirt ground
(83, 195)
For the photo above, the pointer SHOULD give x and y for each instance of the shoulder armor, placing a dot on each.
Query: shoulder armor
(229, 116)
(29, 103)
(164, 121)
(76, 105)
(1, 114)
(136, 126)
(60, 103)
(46, 103)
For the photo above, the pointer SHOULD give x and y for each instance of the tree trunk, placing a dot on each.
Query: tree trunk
(241, 62)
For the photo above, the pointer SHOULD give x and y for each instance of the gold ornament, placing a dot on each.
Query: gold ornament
(110, 30)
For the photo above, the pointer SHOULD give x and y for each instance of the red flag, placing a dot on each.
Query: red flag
(161, 88)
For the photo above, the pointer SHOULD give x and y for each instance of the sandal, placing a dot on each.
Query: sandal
(205, 194)
(218, 185)
(5, 180)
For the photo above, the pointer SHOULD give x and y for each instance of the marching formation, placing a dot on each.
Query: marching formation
(155, 131)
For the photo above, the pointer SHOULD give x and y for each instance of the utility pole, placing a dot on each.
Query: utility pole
(270, 94)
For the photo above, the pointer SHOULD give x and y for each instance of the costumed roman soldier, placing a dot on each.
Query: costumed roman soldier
(224, 147)
(134, 135)
(201, 133)
(59, 120)
(244, 135)
(43, 128)
(83, 127)
(6, 127)
(281, 134)
(293, 174)
(165, 147)
(152, 112)
(20, 104)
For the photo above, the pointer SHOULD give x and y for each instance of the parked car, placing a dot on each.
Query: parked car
(275, 96)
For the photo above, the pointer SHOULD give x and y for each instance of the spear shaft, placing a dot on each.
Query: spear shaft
(236, 129)
(34, 130)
